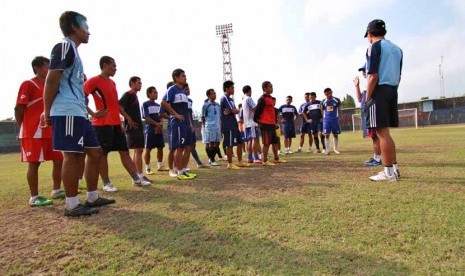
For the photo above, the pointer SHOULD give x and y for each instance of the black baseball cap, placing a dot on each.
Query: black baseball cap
(376, 27)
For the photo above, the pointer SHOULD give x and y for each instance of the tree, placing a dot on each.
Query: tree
(348, 101)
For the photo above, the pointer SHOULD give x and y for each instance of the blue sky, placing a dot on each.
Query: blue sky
(300, 46)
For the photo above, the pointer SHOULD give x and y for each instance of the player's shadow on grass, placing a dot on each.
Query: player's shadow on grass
(233, 249)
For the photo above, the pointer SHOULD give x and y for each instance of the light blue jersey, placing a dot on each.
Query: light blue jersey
(70, 99)
(211, 113)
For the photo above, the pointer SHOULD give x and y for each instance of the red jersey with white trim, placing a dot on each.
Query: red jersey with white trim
(105, 96)
(31, 93)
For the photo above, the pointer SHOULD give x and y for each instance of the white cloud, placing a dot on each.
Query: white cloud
(337, 11)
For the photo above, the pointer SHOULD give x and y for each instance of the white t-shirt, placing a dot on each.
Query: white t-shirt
(247, 105)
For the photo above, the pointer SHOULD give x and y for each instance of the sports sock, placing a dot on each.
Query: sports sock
(389, 171)
(140, 175)
(56, 191)
(135, 176)
(317, 142)
(33, 198)
(395, 167)
(71, 202)
(249, 156)
(336, 142)
(378, 158)
(255, 157)
(92, 196)
(327, 144)
(159, 164)
(196, 157)
(322, 138)
(217, 151)
(106, 182)
(147, 167)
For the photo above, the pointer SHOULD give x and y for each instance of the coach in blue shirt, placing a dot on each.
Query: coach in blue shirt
(384, 66)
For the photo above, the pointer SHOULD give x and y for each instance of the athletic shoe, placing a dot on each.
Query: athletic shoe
(397, 174)
(317, 151)
(162, 169)
(372, 163)
(149, 172)
(40, 201)
(185, 176)
(202, 166)
(299, 150)
(242, 164)
(172, 173)
(336, 151)
(60, 194)
(191, 174)
(109, 188)
(268, 163)
(280, 161)
(141, 183)
(250, 161)
(101, 201)
(309, 150)
(258, 161)
(232, 167)
(290, 152)
(146, 179)
(382, 176)
(326, 152)
(81, 210)
(214, 164)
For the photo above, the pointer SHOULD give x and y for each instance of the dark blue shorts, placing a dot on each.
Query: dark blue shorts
(178, 136)
(232, 138)
(288, 130)
(305, 128)
(154, 140)
(73, 134)
(316, 127)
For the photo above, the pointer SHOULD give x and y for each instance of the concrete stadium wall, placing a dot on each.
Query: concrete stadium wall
(445, 111)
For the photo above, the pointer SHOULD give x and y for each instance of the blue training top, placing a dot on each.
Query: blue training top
(385, 58)
(70, 99)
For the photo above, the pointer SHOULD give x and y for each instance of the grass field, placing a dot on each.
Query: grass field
(313, 215)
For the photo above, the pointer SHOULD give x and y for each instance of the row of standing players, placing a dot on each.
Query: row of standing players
(64, 107)
(111, 136)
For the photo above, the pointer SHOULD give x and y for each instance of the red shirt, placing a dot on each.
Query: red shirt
(31, 94)
(105, 96)
(268, 115)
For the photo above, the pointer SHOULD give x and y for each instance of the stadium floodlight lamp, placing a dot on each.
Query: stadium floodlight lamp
(224, 30)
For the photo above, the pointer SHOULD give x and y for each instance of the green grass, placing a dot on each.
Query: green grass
(313, 215)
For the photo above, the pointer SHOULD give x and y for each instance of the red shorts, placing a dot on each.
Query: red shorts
(38, 150)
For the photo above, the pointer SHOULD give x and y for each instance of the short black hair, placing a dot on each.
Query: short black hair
(308, 94)
(289, 97)
(327, 90)
(227, 84)
(246, 89)
(70, 19)
(209, 91)
(133, 79)
(177, 73)
(169, 84)
(105, 60)
(39, 61)
(265, 84)
(149, 91)
(313, 94)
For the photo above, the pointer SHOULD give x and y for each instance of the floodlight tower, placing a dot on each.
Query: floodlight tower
(224, 31)
(441, 79)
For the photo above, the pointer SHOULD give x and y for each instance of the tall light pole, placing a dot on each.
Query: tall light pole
(441, 79)
(224, 31)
